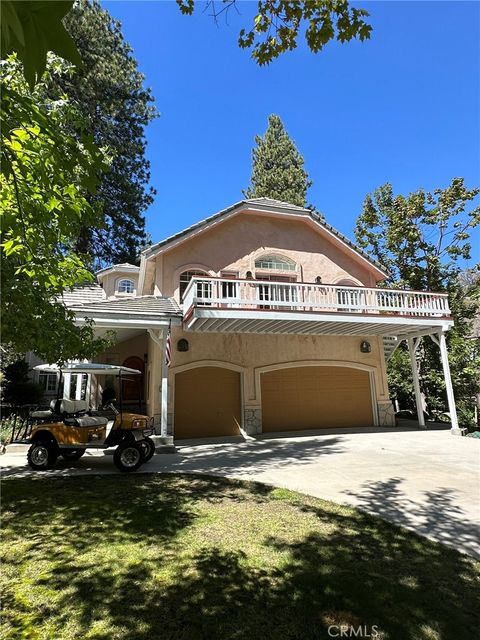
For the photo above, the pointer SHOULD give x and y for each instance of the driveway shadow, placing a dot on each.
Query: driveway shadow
(437, 516)
(252, 456)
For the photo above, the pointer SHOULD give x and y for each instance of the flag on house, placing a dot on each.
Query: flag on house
(168, 346)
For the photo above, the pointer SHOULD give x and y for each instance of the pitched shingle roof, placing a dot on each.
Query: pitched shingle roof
(124, 266)
(142, 304)
(271, 202)
(81, 295)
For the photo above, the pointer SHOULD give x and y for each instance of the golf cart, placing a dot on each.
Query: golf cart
(69, 428)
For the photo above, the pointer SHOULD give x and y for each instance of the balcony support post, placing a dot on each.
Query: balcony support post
(413, 344)
(163, 442)
(439, 340)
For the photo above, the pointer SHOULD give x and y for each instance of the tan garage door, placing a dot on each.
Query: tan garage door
(207, 403)
(316, 397)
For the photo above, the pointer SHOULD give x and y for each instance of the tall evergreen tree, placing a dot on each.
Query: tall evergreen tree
(108, 92)
(278, 170)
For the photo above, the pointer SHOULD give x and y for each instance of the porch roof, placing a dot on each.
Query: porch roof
(142, 311)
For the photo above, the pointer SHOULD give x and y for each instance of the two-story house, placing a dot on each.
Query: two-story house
(276, 323)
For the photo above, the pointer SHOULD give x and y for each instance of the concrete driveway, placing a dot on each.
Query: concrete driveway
(428, 481)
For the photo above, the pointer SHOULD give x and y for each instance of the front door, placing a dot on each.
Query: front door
(133, 386)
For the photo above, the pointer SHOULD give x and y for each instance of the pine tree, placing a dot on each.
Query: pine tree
(108, 92)
(278, 170)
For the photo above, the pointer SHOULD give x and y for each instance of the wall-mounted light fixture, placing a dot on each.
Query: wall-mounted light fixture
(365, 347)
(182, 345)
(249, 275)
(318, 279)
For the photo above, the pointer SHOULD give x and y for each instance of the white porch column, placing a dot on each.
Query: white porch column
(439, 339)
(164, 394)
(413, 344)
(164, 441)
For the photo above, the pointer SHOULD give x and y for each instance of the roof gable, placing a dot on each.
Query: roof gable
(264, 205)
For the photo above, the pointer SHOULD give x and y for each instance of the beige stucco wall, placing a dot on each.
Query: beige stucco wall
(253, 353)
(110, 282)
(235, 244)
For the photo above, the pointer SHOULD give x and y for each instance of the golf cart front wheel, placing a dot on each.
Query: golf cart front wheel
(42, 455)
(128, 457)
(148, 448)
(72, 454)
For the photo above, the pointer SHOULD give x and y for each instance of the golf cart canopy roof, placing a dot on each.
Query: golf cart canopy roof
(88, 367)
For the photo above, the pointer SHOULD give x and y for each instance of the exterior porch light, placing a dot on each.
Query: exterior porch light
(365, 347)
(318, 279)
(182, 345)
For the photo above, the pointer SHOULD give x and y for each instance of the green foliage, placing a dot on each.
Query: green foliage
(278, 170)
(422, 239)
(31, 28)
(279, 23)
(47, 174)
(108, 93)
(17, 388)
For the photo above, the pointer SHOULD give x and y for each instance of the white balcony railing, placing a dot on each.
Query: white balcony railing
(225, 293)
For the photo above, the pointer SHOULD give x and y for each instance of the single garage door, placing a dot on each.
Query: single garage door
(316, 397)
(207, 403)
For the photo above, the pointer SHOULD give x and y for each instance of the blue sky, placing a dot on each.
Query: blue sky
(402, 107)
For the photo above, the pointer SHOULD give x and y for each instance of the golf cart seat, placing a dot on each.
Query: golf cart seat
(73, 407)
(74, 414)
(86, 421)
(46, 414)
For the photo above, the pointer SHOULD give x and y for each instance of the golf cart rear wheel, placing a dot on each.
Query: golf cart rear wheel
(42, 455)
(148, 448)
(128, 457)
(72, 454)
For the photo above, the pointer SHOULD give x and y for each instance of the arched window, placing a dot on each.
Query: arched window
(126, 286)
(185, 278)
(276, 263)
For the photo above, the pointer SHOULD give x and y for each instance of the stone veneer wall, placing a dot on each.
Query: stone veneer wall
(252, 420)
(386, 414)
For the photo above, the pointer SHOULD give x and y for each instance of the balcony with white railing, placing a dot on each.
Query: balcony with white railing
(221, 304)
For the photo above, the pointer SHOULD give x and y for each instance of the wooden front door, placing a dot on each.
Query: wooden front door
(133, 386)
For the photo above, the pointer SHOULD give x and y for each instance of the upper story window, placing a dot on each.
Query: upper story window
(275, 262)
(126, 286)
(185, 278)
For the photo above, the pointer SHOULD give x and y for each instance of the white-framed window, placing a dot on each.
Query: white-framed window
(48, 382)
(185, 278)
(275, 262)
(126, 286)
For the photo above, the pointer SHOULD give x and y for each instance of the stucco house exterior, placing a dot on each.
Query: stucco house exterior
(275, 320)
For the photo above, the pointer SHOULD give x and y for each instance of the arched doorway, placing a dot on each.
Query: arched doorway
(133, 387)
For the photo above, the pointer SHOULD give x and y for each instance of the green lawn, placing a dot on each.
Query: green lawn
(147, 557)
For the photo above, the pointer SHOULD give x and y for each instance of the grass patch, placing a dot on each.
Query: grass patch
(146, 557)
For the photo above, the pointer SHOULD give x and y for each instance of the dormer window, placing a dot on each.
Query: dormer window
(126, 286)
(275, 263)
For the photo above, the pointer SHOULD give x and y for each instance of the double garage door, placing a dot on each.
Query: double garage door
(208, 400)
